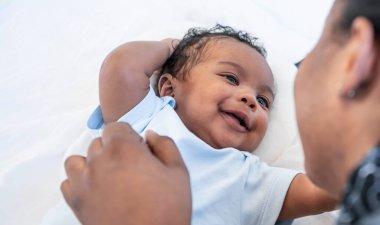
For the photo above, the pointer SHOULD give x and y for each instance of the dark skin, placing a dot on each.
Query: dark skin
(117, 70)
(320, 85)
(124, 81)
(118, 166)
(105, 187)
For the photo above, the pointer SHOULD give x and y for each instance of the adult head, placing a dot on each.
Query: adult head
(338, 94)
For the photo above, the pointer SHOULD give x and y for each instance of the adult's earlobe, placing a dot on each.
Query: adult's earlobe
(360, 59)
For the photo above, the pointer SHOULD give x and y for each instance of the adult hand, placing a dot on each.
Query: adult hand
(126, 181)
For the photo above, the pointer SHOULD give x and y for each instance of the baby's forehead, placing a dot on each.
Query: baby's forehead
(224, 51)
(245, 60)
(229, 47)
(220, 42)
(234, 53)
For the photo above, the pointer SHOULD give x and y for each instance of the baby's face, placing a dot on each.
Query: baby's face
(226, 98)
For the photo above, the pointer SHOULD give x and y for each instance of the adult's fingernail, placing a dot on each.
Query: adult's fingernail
(150, 133)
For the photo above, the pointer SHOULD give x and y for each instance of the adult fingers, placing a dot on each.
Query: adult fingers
(94, 149)
(67, 192)
(165, 149)
(120, 141)
(115, 132)
(75, 166)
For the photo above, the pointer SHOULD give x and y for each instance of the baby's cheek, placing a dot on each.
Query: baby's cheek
(261, 129)
(262, 121)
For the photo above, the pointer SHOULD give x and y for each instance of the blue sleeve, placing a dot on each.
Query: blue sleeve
(138, 117)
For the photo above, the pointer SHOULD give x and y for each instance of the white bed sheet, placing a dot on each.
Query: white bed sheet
(50, 54)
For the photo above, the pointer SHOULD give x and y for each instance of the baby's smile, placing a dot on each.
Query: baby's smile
(237, 120)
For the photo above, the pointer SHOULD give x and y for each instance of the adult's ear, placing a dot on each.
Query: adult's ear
(361, 54)
(166, 85)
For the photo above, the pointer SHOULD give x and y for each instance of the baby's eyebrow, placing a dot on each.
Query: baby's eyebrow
(268, 89)
(264, 88)
(235, 65)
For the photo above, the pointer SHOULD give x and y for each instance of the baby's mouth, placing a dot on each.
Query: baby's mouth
(237, 120)
(241, 121)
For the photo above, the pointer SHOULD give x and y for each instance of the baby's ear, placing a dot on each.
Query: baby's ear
(166, 85)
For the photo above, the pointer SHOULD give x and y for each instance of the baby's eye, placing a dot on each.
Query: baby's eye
(263, 102)
(232, 79)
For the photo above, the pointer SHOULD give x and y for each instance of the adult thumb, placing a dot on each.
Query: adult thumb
(164, 149)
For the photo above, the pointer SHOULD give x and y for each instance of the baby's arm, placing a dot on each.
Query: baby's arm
(304, 198)
(124, 75)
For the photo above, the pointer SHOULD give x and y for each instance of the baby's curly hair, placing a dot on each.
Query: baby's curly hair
(191, 49)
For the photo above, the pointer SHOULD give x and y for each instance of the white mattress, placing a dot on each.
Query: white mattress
(50, 55)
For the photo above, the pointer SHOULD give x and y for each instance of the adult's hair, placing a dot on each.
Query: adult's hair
(352, 9)
(192, 48)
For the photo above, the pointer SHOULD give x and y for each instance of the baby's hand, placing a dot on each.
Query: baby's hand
(172, 44)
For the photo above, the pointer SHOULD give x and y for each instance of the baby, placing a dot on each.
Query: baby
(221, 88)
(216, 92)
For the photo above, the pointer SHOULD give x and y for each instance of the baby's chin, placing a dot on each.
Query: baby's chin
(246, 144)
(216, 142)
(251, 148)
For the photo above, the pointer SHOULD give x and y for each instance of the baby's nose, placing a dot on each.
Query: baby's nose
(249, 101)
